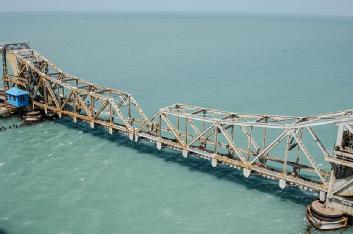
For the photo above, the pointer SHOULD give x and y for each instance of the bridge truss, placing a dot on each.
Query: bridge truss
(284, 148)
(53, 89)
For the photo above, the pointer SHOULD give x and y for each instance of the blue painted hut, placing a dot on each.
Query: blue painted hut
(17, 97)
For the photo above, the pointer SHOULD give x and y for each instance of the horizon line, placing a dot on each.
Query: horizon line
(186, 11)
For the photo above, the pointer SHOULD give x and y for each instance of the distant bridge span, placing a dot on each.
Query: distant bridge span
(283, 148)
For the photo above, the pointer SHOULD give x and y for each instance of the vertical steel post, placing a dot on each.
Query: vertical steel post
(286, 155)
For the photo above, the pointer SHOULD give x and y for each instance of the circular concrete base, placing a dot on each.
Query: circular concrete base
(325, 218)
(320, 209)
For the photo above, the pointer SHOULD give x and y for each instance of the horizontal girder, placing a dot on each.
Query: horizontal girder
(257, 120)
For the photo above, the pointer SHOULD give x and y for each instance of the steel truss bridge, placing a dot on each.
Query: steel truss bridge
(283, 148)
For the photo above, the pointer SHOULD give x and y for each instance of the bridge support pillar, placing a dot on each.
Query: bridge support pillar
(159, 145)
(185, 153)
(214, 162)
(131, 136)
(136, 138)
(110, 129)
(322, 196)
(74, 119)
(59, 115)
(246, 172)
(282, 183)
(46, 110)
(91, 124)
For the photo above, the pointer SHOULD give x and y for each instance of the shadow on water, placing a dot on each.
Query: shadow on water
(2, 231)
(260, 183)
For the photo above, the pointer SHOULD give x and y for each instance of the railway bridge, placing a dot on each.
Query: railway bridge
(288, 149)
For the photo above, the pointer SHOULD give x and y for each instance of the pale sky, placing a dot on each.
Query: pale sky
(302, 7)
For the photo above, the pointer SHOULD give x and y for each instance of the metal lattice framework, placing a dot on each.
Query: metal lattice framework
(9, 47)
(284, 148)
(247, 141)
(55, 90)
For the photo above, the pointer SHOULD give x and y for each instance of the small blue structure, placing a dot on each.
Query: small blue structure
(17, 97)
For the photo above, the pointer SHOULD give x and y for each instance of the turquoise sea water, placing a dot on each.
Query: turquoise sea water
(57, 177)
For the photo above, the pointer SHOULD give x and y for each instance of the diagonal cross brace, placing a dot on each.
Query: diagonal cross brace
(230, 142)
(121, 116)
(172, 128)
(251, 139)
(308, 156)
(203, 133)
(51, 92)
(271, 145)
